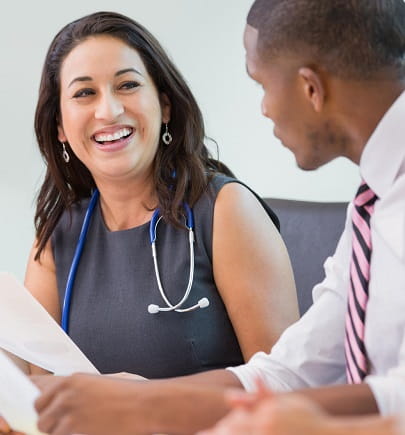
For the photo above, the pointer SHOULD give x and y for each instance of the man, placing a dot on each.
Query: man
(333, 74)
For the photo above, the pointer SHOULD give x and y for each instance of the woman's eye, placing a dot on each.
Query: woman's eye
(129, 85)
(83, 93)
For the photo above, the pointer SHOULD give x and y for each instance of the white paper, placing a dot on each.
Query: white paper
(28, 331)
(17, 396)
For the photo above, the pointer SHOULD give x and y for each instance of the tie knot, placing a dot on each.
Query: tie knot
(365, 196)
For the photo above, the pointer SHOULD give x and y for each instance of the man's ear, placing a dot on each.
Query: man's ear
(313, 87)
(61, 134)
(166, 107)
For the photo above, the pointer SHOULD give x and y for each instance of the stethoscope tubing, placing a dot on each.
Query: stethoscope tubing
(75, 262)
(170, 306)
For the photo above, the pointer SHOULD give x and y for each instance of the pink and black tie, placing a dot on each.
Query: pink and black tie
(356, 356)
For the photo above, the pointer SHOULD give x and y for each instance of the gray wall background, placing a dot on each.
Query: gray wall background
(204, 38)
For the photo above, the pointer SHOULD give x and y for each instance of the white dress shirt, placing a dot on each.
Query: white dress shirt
(311, 353)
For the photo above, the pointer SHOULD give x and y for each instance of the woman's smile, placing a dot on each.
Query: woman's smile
(113, 138)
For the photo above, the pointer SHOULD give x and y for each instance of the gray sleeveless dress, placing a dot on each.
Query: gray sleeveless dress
(116, 282)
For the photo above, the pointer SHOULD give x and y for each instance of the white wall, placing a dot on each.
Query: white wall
(204, 37)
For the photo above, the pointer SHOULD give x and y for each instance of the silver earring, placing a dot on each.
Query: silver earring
(166, 136)
(65, 154)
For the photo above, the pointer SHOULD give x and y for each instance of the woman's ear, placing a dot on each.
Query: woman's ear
(166, 107)
(313, 87)
(61, 134)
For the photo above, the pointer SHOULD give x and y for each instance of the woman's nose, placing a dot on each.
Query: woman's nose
(109, 107)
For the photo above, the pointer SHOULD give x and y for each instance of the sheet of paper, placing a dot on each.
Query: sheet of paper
(28, 331)
(17, 396)
(20, 363)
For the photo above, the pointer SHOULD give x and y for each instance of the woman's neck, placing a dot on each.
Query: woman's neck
(126, 205)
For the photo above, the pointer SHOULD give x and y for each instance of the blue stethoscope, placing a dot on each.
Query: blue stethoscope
(152, 308)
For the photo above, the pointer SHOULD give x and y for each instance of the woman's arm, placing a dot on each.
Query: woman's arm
(252, 270)
(40, 280)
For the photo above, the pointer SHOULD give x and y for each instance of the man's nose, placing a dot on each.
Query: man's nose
(263, 108)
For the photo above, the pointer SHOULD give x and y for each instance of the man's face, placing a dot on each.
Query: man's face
(306, 131)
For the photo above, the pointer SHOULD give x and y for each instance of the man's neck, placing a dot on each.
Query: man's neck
(362, 105)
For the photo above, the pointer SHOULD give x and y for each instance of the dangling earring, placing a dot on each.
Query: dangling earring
(166, 136)
(65, 154)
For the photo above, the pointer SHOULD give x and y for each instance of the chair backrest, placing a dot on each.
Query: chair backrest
(310, 231)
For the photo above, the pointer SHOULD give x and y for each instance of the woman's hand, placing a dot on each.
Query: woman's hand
(6, 429)
(4, 426)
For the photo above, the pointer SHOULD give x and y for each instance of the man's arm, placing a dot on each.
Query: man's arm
(95, 404)
(103, 405)
(344, 399)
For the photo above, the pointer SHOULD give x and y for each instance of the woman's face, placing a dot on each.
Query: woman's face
(111, 112)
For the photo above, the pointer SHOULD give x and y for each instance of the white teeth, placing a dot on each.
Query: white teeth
(110, 137)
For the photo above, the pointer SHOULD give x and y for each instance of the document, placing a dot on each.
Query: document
(30, 333)
(17, 396)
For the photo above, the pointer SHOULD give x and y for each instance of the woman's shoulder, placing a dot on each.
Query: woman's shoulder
(238, 190)
(218, 181)
(207, 200)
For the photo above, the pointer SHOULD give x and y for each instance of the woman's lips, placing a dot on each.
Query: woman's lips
(107, 142)
(112, 134)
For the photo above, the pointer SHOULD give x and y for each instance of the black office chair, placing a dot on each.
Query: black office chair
(310, 231)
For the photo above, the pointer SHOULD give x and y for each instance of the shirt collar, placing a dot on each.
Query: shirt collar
(384, 153)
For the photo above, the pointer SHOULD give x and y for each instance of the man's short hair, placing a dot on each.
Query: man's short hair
(350, 38)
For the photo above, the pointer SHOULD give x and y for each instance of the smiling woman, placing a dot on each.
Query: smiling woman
(111, 114)
(123, 140)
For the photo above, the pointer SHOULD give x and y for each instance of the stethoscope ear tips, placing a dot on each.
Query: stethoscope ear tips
(153, 309)
(203, 303)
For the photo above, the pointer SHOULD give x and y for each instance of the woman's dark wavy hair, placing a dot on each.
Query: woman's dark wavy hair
(187, 155)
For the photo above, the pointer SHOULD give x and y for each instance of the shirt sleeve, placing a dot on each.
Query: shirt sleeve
(310, 353)
(389, 389)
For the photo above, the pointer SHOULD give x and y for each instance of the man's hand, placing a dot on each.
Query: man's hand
(88, 404)
(270, 414)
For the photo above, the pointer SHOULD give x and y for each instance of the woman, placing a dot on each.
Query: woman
(116, 122)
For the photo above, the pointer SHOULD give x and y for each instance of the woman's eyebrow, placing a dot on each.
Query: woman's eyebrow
(80, 79)
(123, 71)
(118, 73)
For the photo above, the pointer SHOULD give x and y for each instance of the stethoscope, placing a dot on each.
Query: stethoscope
(152, 308)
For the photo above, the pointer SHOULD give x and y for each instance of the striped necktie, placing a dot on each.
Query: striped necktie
(356, 356)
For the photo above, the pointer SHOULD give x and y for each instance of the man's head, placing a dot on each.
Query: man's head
(311, 57)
